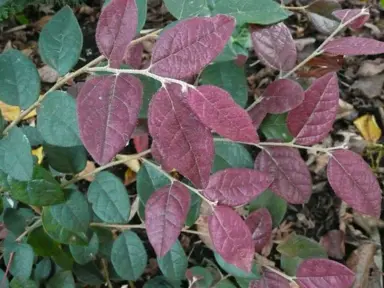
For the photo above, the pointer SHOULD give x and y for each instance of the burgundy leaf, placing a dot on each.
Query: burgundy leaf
(334, 244)
(165, 214)
(292, 180)
(141, 142)
(160, 158)
(320, 273)
(257, 114)
(231, 237)
(270, 280)
(347, 14)
(190, 45)
(185, 143)
(236, 186)
(217, 110)
(133, 55)
(351, 46)
(259, 223)
(353, 181)
(116, 29)
(282, 95)
(107, 111)
(274, 46)
(311, 122)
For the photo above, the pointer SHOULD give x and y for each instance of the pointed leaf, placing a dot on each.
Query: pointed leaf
(231, 237)
(166, 211)
(353, 181)
(350, 46)
(274, 126)
(270, 280)
(181, 9)
(107, 108)
(217, 110)
(311, 122)
(133, 55)
(174, 264)
(84, 254)
(259, 223)
(347, 14)
(300, 246)
(231, 155)
(292, 180)
(186, 48)
(71, 160)
(116, 29)
(236, 186)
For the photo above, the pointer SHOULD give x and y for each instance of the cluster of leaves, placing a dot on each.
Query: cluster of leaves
(200, 131)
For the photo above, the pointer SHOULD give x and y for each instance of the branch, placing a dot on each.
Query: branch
(29, 229)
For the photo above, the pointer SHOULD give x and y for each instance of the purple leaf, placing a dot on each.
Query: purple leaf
(351, 46)
(311, 122)
(236, 186)
(133, 55)
(319, 273)
(292, 180)
(353, 181)
(257, 114)
(181, 139)
(259, 223)
(347, 14)
(274, 46)
(116, 29)
(270, 280)
(186, 48)
(282, 95)
(165, 214)
(231, 237)
(217, 110)
(107, 110)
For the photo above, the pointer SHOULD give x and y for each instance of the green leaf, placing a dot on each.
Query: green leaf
(22, 261)
(142, 14)
(70, 160)
(85, 254)
(148, 180)
(42, 244)
(42, 190)
(225, 284)
(42, 270)
(290, 264)
(4, 186)
(203, 273)
(106, 241)
(228, 53)
(19, 282)
(19, 79)
(158, 282)
(230, 77)
(15, 155)
(33, 135)
(150, 87)
(2, 123)
(194, 209)
(64, 260)
(243, 283)
(57, 120)
(88, 274)
(275, 127)
(16, 220)
(61, 41)
(6, 282)
(276, 206)
(129, 257)
(187, 8)
(301, 246)
(109, 198)
(233, 270)
(231, 155)
(174, 264)
(62, 279)
(382, 3)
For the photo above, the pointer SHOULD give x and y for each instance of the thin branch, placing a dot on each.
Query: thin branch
(292, 8)
(289, 278)
(106, 273)
(29, 229)
(2, 284)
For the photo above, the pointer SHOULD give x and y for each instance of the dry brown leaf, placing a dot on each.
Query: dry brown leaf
(90, 167)
(38, 152)
(43, 20)
(134, 208)
(10, 112)
(202, 227)
(370, 68)
(371, 87)
(48, 74)
(368, 128)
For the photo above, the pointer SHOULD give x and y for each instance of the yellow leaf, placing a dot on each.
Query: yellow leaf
(38, 152)
(368, 128)
(129, 177)
(10, 112)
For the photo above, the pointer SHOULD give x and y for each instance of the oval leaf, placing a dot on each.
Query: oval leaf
(292, 180)
(107, 109)
(69, 160)
(231, 237)
(300, 246)
(165, 214)
(61, 279)
(270, 280)
(353, 181)
(231, 155)
(190, 45)
(116, 29)
(311, 122)
(234, 271)
(84, 254)
(236, 186)
(174, 264)
(187, 8)
(259, 223)
(257, 114)
(350, 46)
(22, 262)
(347, 14)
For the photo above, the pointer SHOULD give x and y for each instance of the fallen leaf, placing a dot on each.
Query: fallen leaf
(370, 87)
(48, 74)
(360, 262)
(202, 228)
(90, 167)
(368, 128)
(370, 68)
(38, 152)
(129, 177)
(333, 242)
(10, 112)
(134, 208)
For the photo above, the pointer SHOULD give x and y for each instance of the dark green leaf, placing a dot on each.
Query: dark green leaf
(150, 87)
(19, 282)
(5, 282)
(70, 160)
(174, 264)
(22, 261)
(290, 264)
(88, 274)
(42, 244)
(129, 257)
(2, 123)
(194, 210)
(61, 41)
(158, 282)
(85, 254)
(106, 241)
(231, 155)
(1, 205)
(225, 284)
(275, 127)
(233, 270)
(187, 8)
(19, 79)
(16, 220)
(33, 135)
(243, 283)
(142, 14)
(228, 53)
(62, 279)
(42, 270)
(4, 186)
(64, 260)
(205, 276)
(301, 246)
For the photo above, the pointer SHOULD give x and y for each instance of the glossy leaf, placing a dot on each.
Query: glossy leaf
(174, 264)
(69, 160)
(350, 46)
(231, 155)
(274, 126)
(347, 14)
(42, 244)
(63, 279)
(166, 211)
(270, 279)
(19, 79)
(22, 262)
(231, 237)
(353, 181)
(115, 29)
(259, 223)
(217, 110)
(107, 108)
(61, 41)
(312, 120)
(292, 180)
(234, 271)
(274, 46)
(187, 8)
(84, 254)
(300, 246)
(190, 45)
(236, 186)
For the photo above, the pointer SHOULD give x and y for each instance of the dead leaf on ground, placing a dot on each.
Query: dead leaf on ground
(368, 128)
(48, 74)
(370, 87)
(333, 242)
(10, 112)
(346, 110)
(202, 227)
(370, 68)
(90, 167)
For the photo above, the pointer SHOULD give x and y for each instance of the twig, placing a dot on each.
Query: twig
(289, 278)
(29, 229)
(106, 273)
(2, 284)
(15, 29)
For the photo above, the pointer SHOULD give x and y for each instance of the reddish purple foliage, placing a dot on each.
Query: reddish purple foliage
(236, 186)
(115, 30)
(347, 14)
(292, 179)
(257, 114)
(107, 108)
(165, 214)
(216, 109)
(186, 48)
(270, 280)
(141, 142)
(311, 122)
(259, 223)
(351, 46)
(274, 46)
(231, 237)
(320, 273)
(333, 242)
(133, 55)
(353, 181)
(159, 157)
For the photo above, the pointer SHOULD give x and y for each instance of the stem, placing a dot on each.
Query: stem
(29, 229)
(106, 273)
(289, 278)
(300, 8)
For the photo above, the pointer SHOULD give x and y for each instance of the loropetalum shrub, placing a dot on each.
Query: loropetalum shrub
(200, 130)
